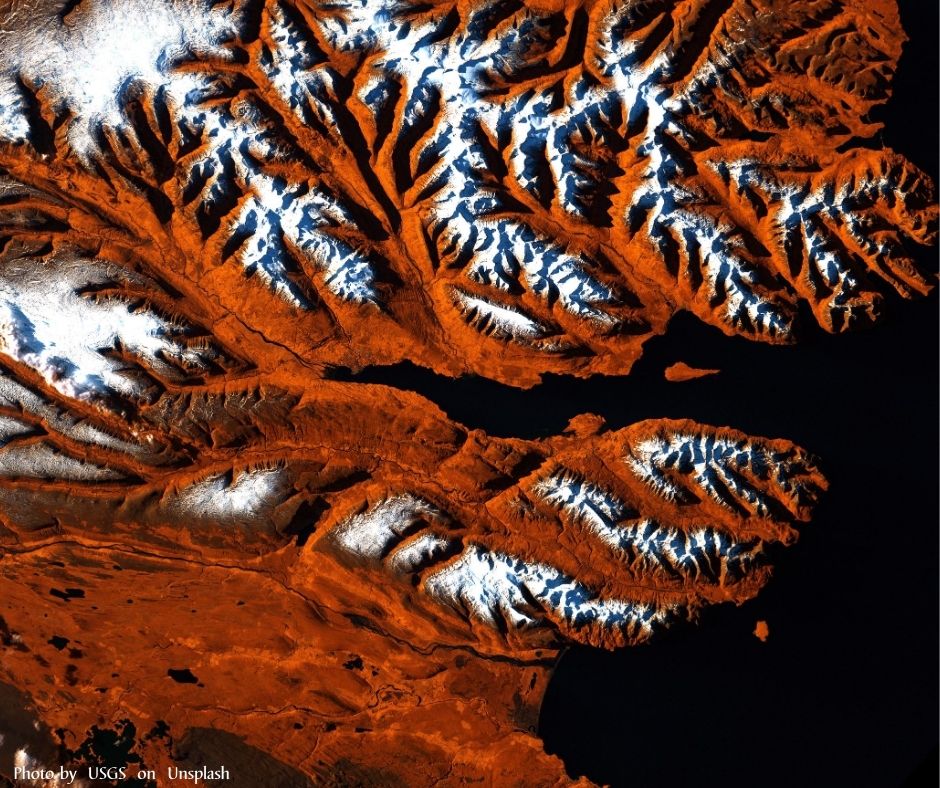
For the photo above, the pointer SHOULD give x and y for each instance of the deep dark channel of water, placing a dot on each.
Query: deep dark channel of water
(844, 691)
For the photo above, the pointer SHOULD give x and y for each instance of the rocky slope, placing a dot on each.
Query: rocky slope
(213, 550)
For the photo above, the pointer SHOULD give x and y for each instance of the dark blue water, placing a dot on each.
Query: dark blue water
(844, 692)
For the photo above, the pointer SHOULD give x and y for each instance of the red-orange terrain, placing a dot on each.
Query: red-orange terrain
(217, 548)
